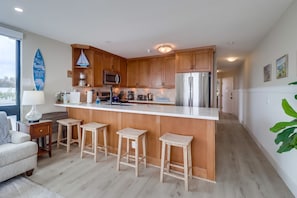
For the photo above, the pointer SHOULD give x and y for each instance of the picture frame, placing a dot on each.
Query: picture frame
(282, 67)
(267, 72)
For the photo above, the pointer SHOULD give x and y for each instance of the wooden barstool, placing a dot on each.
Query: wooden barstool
(184, 142)
(134, 135)
(69, 123)
(95, 128)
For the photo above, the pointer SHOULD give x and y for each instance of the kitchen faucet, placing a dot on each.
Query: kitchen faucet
(110, 95)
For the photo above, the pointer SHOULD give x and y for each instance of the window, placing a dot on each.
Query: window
(10, 75)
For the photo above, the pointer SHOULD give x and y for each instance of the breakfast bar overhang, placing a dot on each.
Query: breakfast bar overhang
(158, 120)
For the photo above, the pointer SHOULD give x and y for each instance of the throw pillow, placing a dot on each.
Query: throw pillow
(5, 137)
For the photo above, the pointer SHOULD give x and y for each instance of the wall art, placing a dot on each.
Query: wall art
(282, 67)
(38, 71)
(267, 73)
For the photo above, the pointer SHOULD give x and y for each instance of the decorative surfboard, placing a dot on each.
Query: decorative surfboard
(38, 71)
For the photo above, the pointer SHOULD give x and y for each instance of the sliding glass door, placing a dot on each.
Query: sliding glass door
(10, 76)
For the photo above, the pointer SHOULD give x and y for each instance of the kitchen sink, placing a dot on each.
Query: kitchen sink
(120, 104)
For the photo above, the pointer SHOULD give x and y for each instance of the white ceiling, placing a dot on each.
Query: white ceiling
(129, 28)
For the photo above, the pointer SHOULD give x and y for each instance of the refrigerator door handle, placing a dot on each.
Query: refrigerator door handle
(190, 102)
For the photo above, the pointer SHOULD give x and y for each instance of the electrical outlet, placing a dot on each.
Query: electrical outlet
(133, 144)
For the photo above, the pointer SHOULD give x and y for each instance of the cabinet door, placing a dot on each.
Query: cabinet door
(143, 73)
(156, 73)
(107, 62)
(132, 73)
(184, 61)
(203, 60)
(116, 64)
(98, 69)
(123, 72)
(168, 73)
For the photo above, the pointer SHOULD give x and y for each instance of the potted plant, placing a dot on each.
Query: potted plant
(286, 131)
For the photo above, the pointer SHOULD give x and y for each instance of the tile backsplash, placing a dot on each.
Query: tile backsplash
(158, 94)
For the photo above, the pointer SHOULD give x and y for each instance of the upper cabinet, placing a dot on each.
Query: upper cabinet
(99, 60)
(200, 59)
(138, 73)
(151, 72)
(146, 72)
(162, 72)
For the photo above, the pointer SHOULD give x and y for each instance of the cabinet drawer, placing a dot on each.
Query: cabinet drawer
(39, 131)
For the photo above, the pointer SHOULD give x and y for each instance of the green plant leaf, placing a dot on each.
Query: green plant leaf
(288, 109)
(294, 140)
(296, 96)
(293, 83)
(281, 125)
(285, 147)
(284, 135)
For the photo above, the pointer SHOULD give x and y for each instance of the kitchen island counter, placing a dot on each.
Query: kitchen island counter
(157, 120)
(148, 109)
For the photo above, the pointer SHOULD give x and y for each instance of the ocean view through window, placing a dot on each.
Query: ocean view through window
(10, 73)
(7, 71)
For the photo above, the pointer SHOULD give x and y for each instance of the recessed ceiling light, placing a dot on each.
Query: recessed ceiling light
(231, 59)
(18, 9)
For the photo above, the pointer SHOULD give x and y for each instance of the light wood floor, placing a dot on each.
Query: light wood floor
(241, 170)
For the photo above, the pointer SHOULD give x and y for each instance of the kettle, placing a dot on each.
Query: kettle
(149, 96)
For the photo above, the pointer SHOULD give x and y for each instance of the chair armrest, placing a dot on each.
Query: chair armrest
(19, 137)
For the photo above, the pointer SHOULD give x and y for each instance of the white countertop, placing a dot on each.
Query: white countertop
(152, 109)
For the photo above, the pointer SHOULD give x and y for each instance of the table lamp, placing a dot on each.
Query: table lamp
(33, 98)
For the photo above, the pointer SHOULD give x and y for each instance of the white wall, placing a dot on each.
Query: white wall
(260, 103)
(57, 57)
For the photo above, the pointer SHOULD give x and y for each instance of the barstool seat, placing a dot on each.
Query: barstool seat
(69, 123)
(94, 128)
(184, 142)
(135, 135)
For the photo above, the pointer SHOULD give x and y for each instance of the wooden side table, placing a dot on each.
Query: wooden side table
(40, 131)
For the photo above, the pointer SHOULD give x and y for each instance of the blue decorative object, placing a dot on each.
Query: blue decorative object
(38, 71)
(82, 60)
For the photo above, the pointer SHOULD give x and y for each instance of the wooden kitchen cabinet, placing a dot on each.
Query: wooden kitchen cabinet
(196, 60)
(87, 71)
(138, 71)
(99, 60)
(162, 72)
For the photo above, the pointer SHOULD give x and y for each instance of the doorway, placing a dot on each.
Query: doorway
(227, 94)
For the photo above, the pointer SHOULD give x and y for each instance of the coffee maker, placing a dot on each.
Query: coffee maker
(130, 95)
(82, 79)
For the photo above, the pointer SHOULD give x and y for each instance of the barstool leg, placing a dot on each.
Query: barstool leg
(185, 153)
(105, 140)
(162, 161)
(83, 143)
(119, 152)
(168, 157)
(136, 157)
(78, 135)
(59, 135)
(190, 161)
(95, 144)
(69, 137)
(144, 149)
(128, 149)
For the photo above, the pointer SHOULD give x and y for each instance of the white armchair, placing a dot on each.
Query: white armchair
(18, 156)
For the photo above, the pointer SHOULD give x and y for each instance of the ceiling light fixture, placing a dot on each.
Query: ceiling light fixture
(18, 9)
(231, 59)
(164, 48)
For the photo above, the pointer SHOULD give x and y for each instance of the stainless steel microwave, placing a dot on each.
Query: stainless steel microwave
(111, 78)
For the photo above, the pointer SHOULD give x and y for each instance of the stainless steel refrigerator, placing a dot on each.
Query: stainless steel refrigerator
(193, 89)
